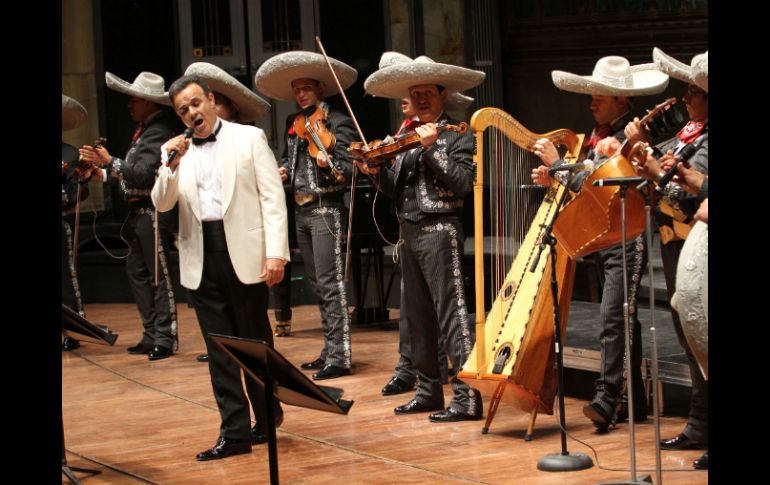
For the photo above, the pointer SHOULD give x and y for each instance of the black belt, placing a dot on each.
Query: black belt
(306, 200)
(214, 236)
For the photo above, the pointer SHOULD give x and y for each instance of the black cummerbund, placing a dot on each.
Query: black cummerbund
(214, 236)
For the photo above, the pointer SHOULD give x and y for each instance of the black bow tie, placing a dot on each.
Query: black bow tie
(201, 141)
(211, 137)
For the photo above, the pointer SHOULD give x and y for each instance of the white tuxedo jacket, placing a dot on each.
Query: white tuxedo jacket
(253, 204)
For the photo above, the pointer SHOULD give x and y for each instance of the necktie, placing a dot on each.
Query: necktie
(408, 126)
(212, 137)
(691, 131)
(201, 141)
(600, 132)
(138, 132)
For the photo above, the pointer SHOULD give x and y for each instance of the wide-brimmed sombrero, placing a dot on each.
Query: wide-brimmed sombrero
(250, 106)
(614, 76)
(394, 80)
(455, 101)
(73, 114)
(147, 85)
(680, 70)
(274, 76)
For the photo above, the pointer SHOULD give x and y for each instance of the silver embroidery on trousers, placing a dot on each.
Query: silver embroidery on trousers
(338, 268)
(73, 271)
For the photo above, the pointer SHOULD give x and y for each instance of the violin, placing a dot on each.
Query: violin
(84, 166)
(312, 127)
(380, 151)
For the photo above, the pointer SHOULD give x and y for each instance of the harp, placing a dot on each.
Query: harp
(513, 358)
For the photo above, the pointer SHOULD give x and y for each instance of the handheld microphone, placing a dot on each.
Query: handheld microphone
(687, 152)
(618, 181)
(188, 133)
(587, 164)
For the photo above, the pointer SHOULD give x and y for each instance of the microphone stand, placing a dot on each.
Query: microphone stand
(623, 184)
(653, 336)
(563, 461)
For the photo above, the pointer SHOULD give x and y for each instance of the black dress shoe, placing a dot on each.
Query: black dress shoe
(702, 463)
(140, 348)
(69, 343)
(159, 352)
(682, 442)
(396, 386)
(224, 448)
(330, 372)
(202, 358)
(317, 364)
(450, 415)
(415, 406)
(258, 436)
(598, 416)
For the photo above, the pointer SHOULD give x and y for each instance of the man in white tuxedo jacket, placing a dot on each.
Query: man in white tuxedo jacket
(233, 244)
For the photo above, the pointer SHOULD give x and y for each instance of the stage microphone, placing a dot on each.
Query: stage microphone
(587, 164)
(618, 181)
(188, 133)
(684, 155)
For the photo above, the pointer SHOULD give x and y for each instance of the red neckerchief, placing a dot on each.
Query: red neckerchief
(138, 132)
(291, 131)
(599, 132)
(408, 125)
(691, 131)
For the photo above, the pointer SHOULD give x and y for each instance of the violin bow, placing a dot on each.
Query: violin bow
(355, 168)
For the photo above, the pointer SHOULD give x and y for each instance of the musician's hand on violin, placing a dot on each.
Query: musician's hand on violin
(703, 211)
(273, 272)
(540, 176)
(365, 169)
(690, 179)
(91, 172)
(283, 173)
(95, 155)
(547, 152)
(608, 146)
(321, 160)
(634, 132)
(428, 134)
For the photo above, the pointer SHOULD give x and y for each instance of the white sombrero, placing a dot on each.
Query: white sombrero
(395, 79)
(147, 85)
(614, 76)
(274, 77)
(680, 70)
(73, 114)
(250, 106)
(454, 101)
(700, 70)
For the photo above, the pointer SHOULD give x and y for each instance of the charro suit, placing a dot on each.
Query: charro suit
(221, 260)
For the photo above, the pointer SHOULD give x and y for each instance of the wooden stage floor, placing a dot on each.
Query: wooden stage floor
(144, 422)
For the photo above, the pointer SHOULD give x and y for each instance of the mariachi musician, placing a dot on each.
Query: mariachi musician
(610, 86)
(428, 184)
(73, 185)
(674, 216)
(318, 186)
(404, 377)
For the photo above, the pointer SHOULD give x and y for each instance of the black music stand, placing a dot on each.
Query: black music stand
(281, 379)
(73, 322)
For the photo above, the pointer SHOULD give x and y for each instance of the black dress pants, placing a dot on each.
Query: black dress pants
(224, 305)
